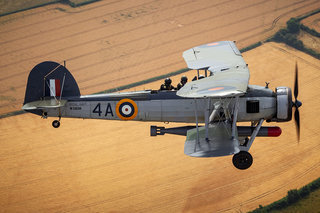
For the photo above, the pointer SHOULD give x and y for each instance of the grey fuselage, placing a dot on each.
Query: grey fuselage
(166, 106)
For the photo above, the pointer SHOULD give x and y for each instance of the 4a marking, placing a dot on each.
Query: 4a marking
(98, 110)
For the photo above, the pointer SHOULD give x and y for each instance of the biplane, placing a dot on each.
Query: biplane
(214, 105)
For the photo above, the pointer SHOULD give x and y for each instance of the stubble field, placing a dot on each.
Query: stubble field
(313, 22)
(105, 166)
(112, 43)
(112, 166)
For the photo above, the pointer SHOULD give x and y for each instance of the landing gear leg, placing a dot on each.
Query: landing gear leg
(242, 160)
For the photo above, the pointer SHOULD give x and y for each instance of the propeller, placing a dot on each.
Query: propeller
(296, 104)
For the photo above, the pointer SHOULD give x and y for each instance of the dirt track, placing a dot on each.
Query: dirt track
(112, 43)
(108, 166)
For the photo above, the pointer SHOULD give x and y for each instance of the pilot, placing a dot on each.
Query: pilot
(183, 81)
(167, 85)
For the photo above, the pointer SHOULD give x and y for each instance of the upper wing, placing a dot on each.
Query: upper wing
(229, 72)
(222, 54)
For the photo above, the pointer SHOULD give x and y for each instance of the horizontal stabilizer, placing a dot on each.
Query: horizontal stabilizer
(44, 104)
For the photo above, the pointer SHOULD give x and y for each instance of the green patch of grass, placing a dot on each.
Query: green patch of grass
(12, 6)
(310, 204)
(250, 47)
(309, 14)
(8, 7)
(289, 35)
(9, 114)
(77, 3)
(306, 199)
(310, 31)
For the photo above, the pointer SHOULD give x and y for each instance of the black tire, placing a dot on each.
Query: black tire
(242, 160)
(56, 123)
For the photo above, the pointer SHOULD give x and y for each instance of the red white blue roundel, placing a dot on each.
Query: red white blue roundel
(126, 109)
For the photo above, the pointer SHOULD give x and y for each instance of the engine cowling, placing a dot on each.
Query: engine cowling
(284, 104)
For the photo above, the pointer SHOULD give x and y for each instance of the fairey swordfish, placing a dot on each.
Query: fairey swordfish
(214, 104)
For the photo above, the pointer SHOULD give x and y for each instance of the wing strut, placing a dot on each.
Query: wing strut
(235, 117)
(253, 136)
(206, 117)
(197, 123)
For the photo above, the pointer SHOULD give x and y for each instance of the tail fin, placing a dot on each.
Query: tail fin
(50, 79)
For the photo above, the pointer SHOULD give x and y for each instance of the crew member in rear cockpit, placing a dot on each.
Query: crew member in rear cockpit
(183, 81)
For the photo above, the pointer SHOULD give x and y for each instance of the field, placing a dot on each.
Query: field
(309, 41)
(98, 166)
(309, 204)
(112, 43)
(313, 22)
(110, 166)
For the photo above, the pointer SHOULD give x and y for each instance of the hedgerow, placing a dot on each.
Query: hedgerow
(292, 197)
(289, 36)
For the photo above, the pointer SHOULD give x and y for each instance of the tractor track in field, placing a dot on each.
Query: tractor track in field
(94, 40)
(79, 175)
(143, 72)
(45, 10)
(45, 21)
(262, 195)
(281, 170)
(151, 47)
(88, 29)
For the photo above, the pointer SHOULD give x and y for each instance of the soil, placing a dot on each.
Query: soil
(108, 44)
(115, 166)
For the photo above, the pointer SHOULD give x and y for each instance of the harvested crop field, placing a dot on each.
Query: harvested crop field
(112, 43)
(309, 41)
(313, 22)
(110, 166)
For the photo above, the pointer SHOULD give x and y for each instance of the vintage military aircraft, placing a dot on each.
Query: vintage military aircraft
(219, 100)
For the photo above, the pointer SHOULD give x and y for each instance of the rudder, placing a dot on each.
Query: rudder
(50, 79)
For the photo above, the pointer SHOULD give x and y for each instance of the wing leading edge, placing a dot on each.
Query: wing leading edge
(229, 72)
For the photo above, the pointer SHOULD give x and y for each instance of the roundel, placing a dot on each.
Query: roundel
(126, 109)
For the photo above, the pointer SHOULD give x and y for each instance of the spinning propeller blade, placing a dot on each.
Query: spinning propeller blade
(297, 104)
(296, 89)
(297, 120)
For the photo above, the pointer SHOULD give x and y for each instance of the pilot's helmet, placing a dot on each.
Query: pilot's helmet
(200, 77)
(167, 81)
(184, 79)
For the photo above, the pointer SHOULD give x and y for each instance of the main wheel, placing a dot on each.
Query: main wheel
(242, 160)
(55, 123)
